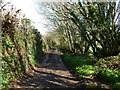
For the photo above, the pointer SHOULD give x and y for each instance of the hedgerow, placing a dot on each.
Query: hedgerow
(21, 45)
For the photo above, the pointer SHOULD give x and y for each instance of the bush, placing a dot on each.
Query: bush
(87, 70)
(75, 61)
(106, 69)
(21, 45)
(110, 67)
(112, 62)
(118, 54)
(117, 85)
(109, 75)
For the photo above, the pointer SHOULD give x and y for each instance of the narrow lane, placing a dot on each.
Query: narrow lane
(51, 73)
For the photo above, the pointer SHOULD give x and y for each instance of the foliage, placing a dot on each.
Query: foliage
(86, 70)
(117, 85)
(103, 69)
(110, 69)
(21, 45)
(112, 62)
(86, 27)
(75, 61)
(109, 75)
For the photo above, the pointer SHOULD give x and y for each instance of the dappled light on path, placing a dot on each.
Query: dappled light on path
(51, 73)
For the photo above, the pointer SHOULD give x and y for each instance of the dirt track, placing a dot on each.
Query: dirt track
(51, 73)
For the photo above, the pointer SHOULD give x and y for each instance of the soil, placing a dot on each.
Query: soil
(51, 73)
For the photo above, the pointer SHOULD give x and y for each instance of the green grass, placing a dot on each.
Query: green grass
(75, 61)
(111, 76)
(87, 70)
(83, 66)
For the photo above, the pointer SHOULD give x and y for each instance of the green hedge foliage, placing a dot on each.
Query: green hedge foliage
(21, 45)
(106, 69)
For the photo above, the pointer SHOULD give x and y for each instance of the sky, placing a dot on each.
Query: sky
(28, 8)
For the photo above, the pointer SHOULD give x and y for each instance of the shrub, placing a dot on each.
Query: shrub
(106, 69)
(117, 85)
(75, 61)
(112, 62)
(87, 70)
(110, 67)
(109, 75)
